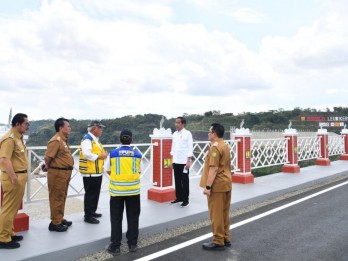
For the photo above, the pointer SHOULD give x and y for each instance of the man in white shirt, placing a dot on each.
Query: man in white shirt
(182, 151)
(92, 156)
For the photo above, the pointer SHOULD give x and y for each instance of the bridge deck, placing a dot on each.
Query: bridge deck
(82, 238)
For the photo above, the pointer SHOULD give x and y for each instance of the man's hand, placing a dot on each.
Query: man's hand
(188, 164)
(14, 179)
(44, 167)
(206, 192)
(103, 156)
(7, 165)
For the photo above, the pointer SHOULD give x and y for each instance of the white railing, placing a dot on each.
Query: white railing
(336, 145)
(268, 152)
(37, 188)
(264, 153)
(234, 154)
(308, 148)
(200, 148)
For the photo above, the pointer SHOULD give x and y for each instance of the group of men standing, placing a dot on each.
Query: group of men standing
(123, 166)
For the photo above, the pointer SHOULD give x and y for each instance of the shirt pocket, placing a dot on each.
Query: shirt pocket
(19, 150)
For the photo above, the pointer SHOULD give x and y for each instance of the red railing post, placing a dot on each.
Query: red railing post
(163, 190)
(292, 153)
(323, 159)
(244, 175)
(344, 134)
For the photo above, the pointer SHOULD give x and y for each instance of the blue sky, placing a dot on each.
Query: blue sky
(102, 59)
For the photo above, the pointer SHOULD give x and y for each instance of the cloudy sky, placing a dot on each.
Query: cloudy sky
(103, 59)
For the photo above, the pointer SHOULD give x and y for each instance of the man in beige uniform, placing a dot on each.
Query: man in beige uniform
(217, 184)
(59, 164)
(14, 168)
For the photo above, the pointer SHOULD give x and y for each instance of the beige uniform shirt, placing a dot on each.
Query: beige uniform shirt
(218, 156)
(58, 149)
(12, 147)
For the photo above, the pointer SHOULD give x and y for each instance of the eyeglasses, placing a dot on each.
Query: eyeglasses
(211, 132)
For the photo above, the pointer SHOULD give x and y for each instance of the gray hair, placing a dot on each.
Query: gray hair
(89, 129)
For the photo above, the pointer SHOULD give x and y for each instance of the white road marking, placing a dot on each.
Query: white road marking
(241, 223)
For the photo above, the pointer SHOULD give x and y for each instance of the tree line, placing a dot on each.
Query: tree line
(142, 125)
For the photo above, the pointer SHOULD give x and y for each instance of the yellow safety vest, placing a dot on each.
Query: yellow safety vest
(124, 172)
(91, 167)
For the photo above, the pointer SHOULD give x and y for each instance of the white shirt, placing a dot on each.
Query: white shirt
(182, 146)
(86, 147)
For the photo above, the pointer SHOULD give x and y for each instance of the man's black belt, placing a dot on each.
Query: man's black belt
(67, 168)
(22, 171)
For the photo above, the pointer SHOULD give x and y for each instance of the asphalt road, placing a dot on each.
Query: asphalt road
(315, 229)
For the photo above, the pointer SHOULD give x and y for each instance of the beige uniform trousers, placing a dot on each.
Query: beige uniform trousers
(13, 195)
(219, 211)
(58, 183)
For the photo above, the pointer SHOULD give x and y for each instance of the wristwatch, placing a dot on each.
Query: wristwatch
(208, 187)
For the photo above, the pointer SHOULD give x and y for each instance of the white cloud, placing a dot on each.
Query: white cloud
(129, 58)
(247, 15)
(116, 9)
(58, 50)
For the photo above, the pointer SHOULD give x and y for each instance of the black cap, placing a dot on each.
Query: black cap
(96, 123)
(126, 132)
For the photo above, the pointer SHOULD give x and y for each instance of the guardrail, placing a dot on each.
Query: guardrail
(263, 153)
(308, 148)
(336, 145)
(37, 188)
(268, 152)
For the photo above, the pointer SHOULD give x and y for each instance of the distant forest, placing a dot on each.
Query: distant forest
(142, 125)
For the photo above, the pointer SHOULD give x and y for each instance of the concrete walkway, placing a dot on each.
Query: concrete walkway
(83, 238)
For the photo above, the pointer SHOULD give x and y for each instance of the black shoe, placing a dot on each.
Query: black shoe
(185, 204)
(133, 248)
(57, 228)
(9, 245)
(213, 246)
(17, 238)
(96, 215)
(92, 220)
(114, 250)
(228, 243)
(66, 223)
(176, 201)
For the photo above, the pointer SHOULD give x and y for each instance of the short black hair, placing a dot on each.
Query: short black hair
(182, 119)
(18, 118)
(218, 129)
(60, 123)
(126, 136)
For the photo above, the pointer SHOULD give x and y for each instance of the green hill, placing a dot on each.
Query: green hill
(142, 125)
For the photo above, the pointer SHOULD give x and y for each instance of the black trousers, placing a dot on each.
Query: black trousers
(92, 191)
(116, 215)
(182, 185)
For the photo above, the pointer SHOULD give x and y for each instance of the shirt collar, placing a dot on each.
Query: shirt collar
(94, 137)
(17, 134)
(218, 140)
(62, 136)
